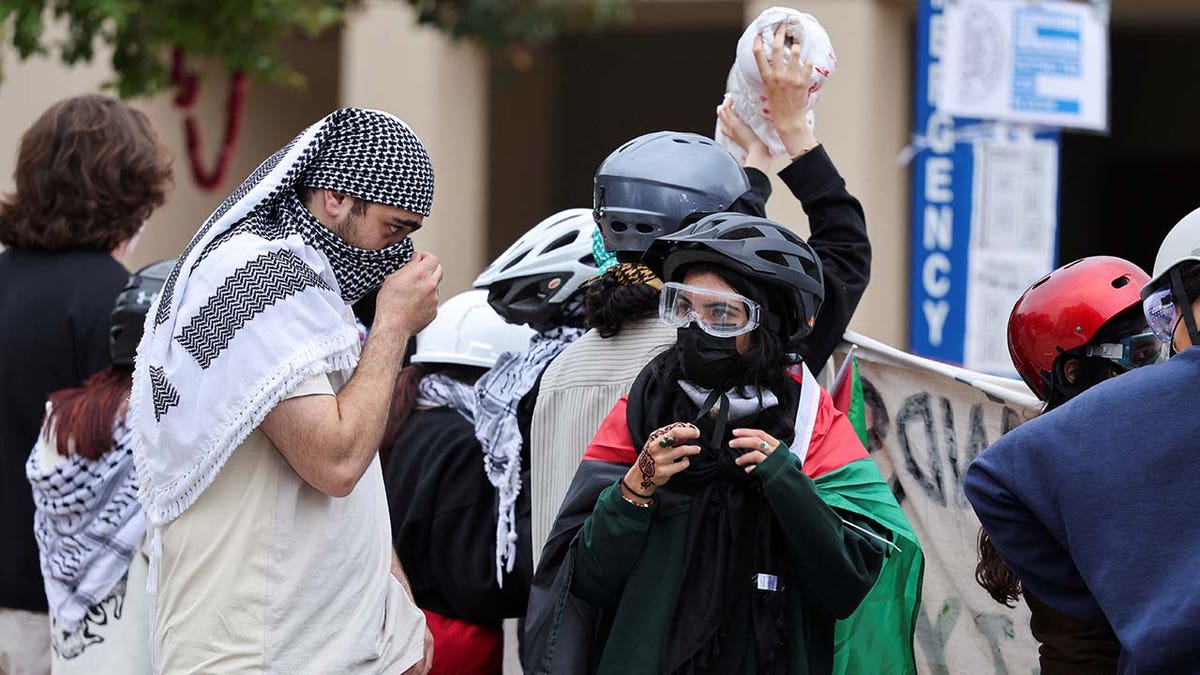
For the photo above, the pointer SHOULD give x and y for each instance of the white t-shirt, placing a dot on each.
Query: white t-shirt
(265, 574)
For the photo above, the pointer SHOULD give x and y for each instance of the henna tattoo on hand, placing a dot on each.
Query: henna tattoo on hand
(646, 467)
(659, 434)
(661, 438)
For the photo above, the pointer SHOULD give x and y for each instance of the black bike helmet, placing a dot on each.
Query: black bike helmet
(650, 186)
(759, 249)
(129, 315)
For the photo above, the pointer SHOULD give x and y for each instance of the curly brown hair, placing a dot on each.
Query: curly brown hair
(89, 173)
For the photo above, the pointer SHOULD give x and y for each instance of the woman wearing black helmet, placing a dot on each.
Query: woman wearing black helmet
(653, 186)
(88, 522)
(725, 516)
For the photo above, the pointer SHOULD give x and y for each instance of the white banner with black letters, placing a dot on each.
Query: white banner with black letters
(926, 422)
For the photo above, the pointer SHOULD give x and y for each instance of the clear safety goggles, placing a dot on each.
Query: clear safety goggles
(1161, 314)
(718, 313)
(1131, 351)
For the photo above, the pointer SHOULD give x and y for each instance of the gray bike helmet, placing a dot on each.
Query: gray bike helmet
(129, 314)
(658, 183)
(759, 249)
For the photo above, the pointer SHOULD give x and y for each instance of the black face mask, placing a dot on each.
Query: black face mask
(708, 361)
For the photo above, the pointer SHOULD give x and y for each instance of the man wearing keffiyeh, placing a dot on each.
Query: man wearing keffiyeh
(257, 412)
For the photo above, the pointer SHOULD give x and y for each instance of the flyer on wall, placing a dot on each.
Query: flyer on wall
(1042, 63)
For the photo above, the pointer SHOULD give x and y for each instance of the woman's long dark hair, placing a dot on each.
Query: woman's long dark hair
(81, 419)
(994, 576)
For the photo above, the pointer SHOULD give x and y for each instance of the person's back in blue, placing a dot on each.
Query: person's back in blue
(1092, 504)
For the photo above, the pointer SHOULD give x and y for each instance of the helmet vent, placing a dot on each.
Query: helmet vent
(681, 140)
(565, 240)
(773, 257)
(514, 261)
(1121, 282)
(625, 147)
(743, 233)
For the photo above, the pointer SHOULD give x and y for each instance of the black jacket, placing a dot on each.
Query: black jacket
(838, 233)
(55, 310)
(443, 511)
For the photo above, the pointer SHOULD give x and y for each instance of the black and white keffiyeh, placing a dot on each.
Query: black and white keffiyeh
(88, 525)
(499, 393)
(438, 390)
(257, 303)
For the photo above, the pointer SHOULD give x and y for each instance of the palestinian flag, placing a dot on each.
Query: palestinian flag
(847, 392)
(878, 637)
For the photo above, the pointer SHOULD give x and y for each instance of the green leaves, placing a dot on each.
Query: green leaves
(502, 24)
(248, 35)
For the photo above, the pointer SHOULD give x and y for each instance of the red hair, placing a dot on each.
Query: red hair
(81, 419)
(404, 402)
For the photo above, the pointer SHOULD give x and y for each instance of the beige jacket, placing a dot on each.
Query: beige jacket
(578, 390)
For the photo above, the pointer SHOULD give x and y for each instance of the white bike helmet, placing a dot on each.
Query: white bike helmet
(1180, 246)
(468, 332)
(538, 273)
(1165, 299)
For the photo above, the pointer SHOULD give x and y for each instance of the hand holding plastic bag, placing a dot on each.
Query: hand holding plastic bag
(745, 86)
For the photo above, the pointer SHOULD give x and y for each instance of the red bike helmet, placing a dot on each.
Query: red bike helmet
(1064, 310)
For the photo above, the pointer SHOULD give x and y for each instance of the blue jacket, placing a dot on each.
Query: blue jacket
(1094, 506)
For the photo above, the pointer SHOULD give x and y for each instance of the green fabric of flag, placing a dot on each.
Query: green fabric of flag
(878, 638)
(857, 411)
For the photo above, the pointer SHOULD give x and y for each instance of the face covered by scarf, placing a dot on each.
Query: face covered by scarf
(257, 303)
(358, 270)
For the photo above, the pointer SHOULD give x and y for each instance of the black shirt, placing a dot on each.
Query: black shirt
(838, 234)
(443, 512)
(55, 309)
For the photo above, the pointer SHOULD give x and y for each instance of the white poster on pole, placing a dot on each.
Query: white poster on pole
(1014, 220)
(1043, 62)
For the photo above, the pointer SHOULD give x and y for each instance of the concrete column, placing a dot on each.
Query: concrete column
(440, 88)
(863, 121)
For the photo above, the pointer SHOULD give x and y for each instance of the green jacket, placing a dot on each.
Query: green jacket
(629, 561)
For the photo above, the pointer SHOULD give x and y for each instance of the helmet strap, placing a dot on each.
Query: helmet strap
(1179, 296)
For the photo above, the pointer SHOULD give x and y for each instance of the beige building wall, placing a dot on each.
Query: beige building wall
(863, 120)
(439, 87)
(273, 116)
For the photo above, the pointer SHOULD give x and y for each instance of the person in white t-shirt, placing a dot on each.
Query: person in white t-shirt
(257, 413)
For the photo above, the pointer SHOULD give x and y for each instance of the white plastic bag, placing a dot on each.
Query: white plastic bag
(745, 85)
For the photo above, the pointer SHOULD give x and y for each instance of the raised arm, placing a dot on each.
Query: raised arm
(331, 440)
(838, 229)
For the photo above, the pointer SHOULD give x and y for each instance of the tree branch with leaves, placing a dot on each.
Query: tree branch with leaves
(151, 40)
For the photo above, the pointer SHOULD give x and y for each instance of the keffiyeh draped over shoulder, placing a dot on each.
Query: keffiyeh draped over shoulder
(88, 525)
(258, 301)
(499, 393)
